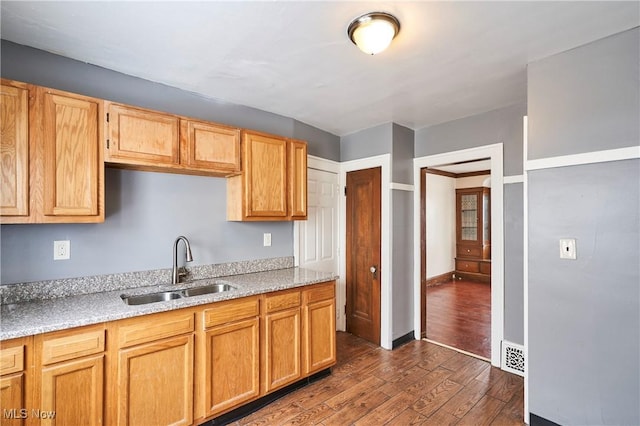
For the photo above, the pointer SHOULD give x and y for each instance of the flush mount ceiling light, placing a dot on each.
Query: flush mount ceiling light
(373, 32)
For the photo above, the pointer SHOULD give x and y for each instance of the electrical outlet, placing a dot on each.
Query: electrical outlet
(266, 240)
(568, 248)
(61, 250)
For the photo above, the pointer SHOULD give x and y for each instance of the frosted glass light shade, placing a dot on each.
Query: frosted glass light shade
(373, 32)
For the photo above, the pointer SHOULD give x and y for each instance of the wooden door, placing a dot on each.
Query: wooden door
(266, 176)
(232, 365)
(139, 136)
(73, 390)
(73, 168)
(297, 179)
(363, 253)
(14, 128)
(155, 383)
(209, 146)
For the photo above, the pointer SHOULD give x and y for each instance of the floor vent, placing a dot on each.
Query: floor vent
(513, 358)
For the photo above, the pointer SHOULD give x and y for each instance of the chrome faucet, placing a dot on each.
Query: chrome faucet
(175, 274)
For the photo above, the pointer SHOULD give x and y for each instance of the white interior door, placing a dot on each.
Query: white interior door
(318, 235)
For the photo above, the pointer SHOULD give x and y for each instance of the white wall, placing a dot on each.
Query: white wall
(441, 224)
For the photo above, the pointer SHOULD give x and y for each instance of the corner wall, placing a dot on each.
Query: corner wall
(584, 314)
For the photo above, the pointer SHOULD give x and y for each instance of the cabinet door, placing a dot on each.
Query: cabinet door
(155, 383)
(210, 147)
(73, 169)
(282, 349)
(14, 128)
(12, 400)
(141, 137)
(298, 179)
(319, 341)
(232, 365)
(265, 176)
(73, 390)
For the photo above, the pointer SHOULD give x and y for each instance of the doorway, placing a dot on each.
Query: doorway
(456, 304)
(495, 155)
(363, 254)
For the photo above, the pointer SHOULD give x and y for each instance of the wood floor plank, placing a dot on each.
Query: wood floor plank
(409, 418)
(483, 413)
(436, 397)
(356, 409)
(374, 386)
(388, 410)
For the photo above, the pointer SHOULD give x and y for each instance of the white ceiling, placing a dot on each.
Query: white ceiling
(450, 60)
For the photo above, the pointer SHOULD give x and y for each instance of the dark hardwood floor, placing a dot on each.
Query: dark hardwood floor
(459, 315)
(418, 383)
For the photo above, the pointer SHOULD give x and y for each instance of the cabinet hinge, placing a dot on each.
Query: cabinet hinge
(107, 143)
(345, 191)
(107, 117)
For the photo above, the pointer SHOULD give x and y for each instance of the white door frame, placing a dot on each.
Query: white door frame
(383, 161)
(494, 152)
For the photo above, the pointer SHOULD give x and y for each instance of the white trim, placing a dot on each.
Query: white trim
(513, 179)
(384, 161)
(323, 164)
(497, 235)
(525, 263)
(629, 153)
(401, 187)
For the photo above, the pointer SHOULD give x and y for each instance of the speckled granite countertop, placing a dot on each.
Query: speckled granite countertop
(35, 317)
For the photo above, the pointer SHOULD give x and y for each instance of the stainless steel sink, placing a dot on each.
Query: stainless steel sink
(207, 289)
(143, 299)
(163, 296)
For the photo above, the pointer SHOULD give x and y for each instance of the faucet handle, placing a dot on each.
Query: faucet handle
(182, 273)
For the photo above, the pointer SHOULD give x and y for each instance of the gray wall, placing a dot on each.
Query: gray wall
(402, 259)
(584, 319)
(145, 211)
(501, 125)
(584, 314)
(402, 153)
(594, 82)
(514, 263)
(367, 143)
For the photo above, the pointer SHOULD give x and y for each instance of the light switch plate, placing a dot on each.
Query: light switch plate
(267, 239)
(62, 250)
(568, 248)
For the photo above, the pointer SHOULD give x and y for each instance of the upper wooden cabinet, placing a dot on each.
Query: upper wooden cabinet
(208, 146)
(473, 221)
(149, 140)
(141, 137)
(273, 183)
(66, 172)
(14, 128)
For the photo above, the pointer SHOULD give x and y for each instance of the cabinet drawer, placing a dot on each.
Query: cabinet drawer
(231, 311)
(485, 268)
(469, 251)
(282, 300)
(154, 327)
(467, 266)
(12, 360)
(71, 344)
(319, 292)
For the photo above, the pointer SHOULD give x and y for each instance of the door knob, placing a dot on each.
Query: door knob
(374, 271)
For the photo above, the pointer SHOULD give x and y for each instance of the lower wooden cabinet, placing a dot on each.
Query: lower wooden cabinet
(179, 367)
(154, 369)
(70, 363)
(318, 328)
(228, 365)
(14, 358)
